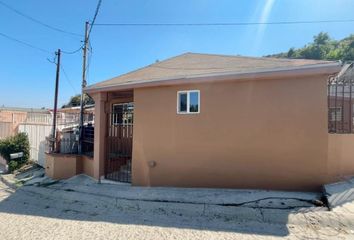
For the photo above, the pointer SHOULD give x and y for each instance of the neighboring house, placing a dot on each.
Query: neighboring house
(11, 118)
(14, 120)
(202, 120)
(37, 124)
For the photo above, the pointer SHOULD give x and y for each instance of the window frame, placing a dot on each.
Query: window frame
(188, 101)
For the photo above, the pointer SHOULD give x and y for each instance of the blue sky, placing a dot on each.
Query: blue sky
(27, 77)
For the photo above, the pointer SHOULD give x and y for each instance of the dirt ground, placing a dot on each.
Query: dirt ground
(62, 212)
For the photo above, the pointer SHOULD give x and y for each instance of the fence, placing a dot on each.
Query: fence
(38, 127)
(67, 141)
(36, 135)
(39, 118)
(340, 102)
(6, 130)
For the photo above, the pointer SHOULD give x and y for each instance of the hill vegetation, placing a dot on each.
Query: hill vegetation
(323, 47)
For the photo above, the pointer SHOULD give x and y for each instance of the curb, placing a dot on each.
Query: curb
(7, 182)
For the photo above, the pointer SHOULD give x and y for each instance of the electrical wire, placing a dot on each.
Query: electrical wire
(38, 21)
(87, 68)
(25, 43)
(74, 51)
(222, 23)
(94, 18)
(67, 78)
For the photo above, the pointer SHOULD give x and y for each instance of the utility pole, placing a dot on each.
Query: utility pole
(55, 102)
(83, 85)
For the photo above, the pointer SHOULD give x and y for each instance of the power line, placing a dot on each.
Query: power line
(221, 23)
(68, 79)
(74, 51)
(25, 43)
(38, 21)
(94, 18)
(87, 67)
(88, 36)
(45, 25)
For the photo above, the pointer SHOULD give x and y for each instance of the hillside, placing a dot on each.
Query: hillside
(323, 47)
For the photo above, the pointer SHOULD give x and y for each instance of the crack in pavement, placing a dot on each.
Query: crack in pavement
(315, 203)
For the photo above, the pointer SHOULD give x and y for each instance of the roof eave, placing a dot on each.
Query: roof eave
(319, 69)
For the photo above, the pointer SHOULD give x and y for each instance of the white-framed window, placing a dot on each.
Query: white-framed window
(188, 102)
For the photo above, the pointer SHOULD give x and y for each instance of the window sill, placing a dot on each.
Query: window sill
(187, 113)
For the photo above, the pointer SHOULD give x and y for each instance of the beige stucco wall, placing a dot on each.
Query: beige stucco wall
(87, 166)
(269, 134)
(62, 166)
(340, 157)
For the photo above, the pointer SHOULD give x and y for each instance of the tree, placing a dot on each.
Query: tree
(75, 101)
(291, 53)
(323, 47)
(321, 39)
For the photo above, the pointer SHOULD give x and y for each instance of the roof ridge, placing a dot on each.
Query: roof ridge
(190, 63)
(259, 58)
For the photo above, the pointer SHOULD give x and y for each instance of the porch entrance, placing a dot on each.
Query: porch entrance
(119, 142)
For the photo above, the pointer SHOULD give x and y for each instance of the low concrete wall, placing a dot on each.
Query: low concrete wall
(87, 165)
(340, 157)
(62, 166)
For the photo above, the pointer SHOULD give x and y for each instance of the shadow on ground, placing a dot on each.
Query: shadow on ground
(141, 206)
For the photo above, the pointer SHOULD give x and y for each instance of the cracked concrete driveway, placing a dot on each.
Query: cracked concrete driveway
(86, 210)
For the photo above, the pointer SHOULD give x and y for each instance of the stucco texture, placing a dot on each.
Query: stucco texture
(269, 134)
(62, 166)
(340, 157)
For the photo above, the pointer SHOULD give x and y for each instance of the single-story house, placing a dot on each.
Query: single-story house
(204, 120)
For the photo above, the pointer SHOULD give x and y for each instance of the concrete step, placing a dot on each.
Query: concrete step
(339, 193)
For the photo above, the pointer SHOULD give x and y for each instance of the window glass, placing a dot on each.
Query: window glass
(193, 101)
(117, 114)
(183, 102)
(122, 113)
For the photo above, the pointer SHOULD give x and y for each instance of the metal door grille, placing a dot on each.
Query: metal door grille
(119, 143)
(340, 101)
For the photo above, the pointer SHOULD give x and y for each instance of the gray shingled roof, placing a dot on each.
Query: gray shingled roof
(194, 64)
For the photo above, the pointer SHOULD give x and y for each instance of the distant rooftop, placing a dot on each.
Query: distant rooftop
(20, 109)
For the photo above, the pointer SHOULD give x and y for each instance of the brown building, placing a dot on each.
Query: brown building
(201, 120)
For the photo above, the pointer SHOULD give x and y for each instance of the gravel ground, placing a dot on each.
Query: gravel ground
(45, 213)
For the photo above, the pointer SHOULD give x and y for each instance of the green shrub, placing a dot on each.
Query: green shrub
(13, 165)
(15, 144)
